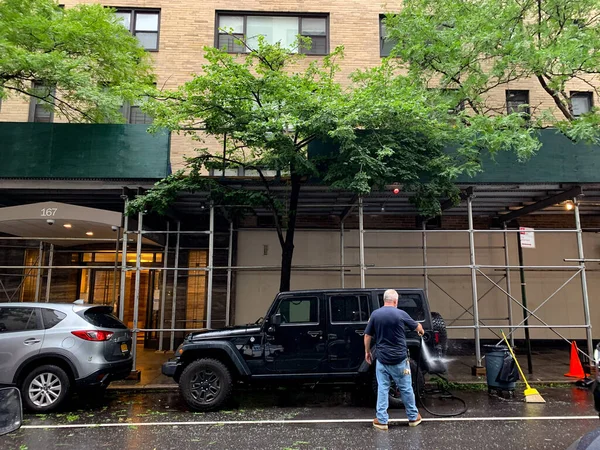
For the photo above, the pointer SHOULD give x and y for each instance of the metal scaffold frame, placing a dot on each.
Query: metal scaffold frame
(430, 273)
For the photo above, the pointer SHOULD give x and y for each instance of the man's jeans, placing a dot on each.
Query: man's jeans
(396, 372)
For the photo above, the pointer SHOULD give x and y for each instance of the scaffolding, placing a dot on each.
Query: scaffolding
(167, 326)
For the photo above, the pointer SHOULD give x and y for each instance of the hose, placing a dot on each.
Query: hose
(443, 393)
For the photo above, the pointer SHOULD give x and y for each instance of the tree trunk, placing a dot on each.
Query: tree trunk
(287, 251)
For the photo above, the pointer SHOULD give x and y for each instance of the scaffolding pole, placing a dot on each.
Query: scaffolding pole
(584, 289)
(508, 286)
(38, 279)
(361, 241)
(342, 256)
(474, 282)
(164, 290)
(136, 295)
(124, 262)
(229, 274)
(211, 251)
(49, 279)
(115, 270)
(425, 271)
(175, 275)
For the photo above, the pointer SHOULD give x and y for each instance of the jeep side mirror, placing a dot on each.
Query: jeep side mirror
(11, 410)
(276, 319)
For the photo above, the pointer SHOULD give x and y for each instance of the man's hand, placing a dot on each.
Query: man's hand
(420, 330)
(368, 358)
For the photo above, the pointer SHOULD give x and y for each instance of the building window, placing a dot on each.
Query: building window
(275, 28)
(133, 114)
(517, 102)
(41, 110)
(386, 44)
(143, 24)
(582, 103)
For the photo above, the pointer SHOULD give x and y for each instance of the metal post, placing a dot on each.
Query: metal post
(163, 294)
(115, 270)
(584, 290)
(342, 256)
(125, 239)
(425, 271)
(508, 286)
(136, 294)
(211, 251)
(474, 282)
(38, 279)
(361, 242)
(524, 302)
(175, 276)
(49, 279)
(229, 263)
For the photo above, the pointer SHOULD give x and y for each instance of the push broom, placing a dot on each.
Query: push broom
(531, 395)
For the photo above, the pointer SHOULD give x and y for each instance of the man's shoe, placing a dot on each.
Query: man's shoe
(380, 426)
(414, 423)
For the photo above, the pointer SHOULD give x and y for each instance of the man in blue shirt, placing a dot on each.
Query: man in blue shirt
(387, 325)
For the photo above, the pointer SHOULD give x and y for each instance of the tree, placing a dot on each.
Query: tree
(473, 48)
(267, 106)
(86, 60)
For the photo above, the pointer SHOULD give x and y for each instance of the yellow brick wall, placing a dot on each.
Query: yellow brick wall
(186, 26)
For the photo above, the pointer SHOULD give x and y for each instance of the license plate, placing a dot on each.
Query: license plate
(124, 348)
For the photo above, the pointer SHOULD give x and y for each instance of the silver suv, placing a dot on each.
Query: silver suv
(47, 349)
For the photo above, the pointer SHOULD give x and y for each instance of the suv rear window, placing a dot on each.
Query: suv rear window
(411, 303)
(103, 317)
(52, 317)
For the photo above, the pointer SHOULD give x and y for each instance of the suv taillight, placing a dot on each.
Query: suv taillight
(436, 337)
(93, 335)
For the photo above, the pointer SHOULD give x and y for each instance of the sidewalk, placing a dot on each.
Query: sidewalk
(549, 367)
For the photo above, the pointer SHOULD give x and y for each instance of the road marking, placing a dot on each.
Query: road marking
(301, 422)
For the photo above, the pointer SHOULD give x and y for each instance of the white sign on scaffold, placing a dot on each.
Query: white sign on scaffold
(527, 237)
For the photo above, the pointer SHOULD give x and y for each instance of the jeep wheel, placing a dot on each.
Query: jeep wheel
(205, 384)
(45, 388)
(395, 399)
(438, 324)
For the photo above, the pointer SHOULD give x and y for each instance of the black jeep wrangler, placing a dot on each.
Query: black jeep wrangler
(307, 337)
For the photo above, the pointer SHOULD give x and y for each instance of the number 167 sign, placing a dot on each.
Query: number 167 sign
(527, 237)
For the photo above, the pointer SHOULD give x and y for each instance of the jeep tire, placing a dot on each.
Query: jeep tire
(438, 324)
(205, 384)
(418, 383)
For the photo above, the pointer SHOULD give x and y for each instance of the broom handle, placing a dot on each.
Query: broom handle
(515, 360)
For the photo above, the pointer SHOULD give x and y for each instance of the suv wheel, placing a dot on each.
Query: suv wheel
(418, 383)
(205, 384)
(45, 388)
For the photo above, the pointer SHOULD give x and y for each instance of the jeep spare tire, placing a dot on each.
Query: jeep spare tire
(438, 324)
(205, 384)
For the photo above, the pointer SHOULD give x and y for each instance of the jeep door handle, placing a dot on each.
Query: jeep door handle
(332, 336)
(360, 332)
(31, 341)
(315, 333)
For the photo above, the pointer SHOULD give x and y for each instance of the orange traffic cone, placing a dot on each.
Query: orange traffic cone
(575, 367)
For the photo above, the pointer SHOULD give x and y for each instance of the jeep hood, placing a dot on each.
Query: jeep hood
(223, 333)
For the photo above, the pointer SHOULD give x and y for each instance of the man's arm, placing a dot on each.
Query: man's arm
(420, 331)
(368, 356)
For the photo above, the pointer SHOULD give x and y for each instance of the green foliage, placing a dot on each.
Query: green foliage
(474, 47)
(84, 53)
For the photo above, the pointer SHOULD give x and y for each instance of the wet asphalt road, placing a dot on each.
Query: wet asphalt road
(304, 420)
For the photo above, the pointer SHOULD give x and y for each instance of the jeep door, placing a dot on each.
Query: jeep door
(348, 314)
(297, 345)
